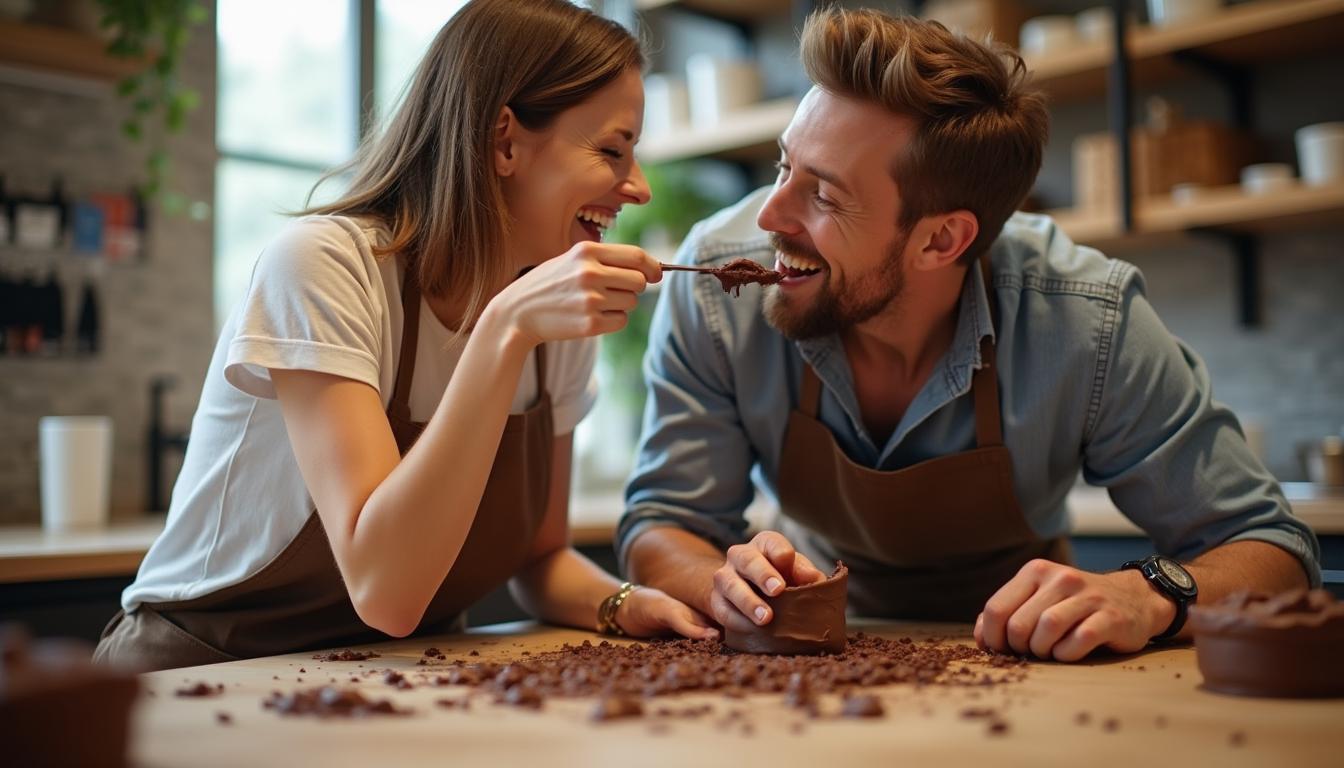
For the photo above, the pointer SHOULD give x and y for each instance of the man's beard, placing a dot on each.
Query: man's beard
(837, 305)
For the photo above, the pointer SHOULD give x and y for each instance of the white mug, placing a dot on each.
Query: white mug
(1163, 13)
(1047, 34)
(667, 105)
(1320, 153)
(76, 471)
(720, 86)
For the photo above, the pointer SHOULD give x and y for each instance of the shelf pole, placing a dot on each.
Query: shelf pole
(1120, 96)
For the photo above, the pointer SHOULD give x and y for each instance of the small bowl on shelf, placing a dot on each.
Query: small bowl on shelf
(1264, 178)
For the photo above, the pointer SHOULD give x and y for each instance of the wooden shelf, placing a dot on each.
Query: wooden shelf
(1226, 208)
(749, 133)
(1257, 31)
(53, 50)
(739, 10)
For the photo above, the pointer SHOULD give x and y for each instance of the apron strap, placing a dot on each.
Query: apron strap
(809, 399)
(541, 369)
(985, 380)
(400, 407)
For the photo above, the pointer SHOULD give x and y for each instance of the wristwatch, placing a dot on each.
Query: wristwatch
(1170, 579)
(606, 612)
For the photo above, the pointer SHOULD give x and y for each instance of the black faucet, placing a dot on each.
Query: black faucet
(160, 440)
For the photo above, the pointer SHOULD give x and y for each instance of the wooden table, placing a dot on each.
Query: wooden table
(1163, 717)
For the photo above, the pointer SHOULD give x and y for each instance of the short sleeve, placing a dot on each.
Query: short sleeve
(572, 381)
(314, 303)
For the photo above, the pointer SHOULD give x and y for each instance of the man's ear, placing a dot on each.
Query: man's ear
(945, 238)
(506, 142)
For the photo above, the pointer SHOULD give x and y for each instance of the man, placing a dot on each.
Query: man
(921, 391)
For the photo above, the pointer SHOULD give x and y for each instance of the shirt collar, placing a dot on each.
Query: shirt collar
(974, 322)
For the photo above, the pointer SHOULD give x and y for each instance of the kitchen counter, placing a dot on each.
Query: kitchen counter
(28, 554)
(1155, 699)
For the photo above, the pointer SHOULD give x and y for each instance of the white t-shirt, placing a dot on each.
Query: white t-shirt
(318, 301)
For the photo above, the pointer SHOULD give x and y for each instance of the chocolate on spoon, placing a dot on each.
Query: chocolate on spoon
(735, 274)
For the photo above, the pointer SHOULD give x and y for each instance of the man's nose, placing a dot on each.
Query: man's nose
(775, 215)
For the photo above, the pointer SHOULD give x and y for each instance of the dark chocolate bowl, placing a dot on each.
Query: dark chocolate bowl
(1286, 645)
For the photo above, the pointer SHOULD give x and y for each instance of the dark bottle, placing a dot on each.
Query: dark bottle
(52, 315)
(88, 334)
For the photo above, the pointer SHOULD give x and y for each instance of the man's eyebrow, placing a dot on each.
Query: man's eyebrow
(826, 176)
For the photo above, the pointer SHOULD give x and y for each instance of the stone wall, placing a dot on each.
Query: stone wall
(156, 313)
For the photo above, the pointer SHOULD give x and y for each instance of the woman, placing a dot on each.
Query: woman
(410, 361)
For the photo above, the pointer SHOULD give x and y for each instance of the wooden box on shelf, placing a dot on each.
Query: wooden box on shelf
(979, 18)
(1189, 152)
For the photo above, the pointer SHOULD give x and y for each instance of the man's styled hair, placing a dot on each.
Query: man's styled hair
(980, 130)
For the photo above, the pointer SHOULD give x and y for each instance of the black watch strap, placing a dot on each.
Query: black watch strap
(1151, 573)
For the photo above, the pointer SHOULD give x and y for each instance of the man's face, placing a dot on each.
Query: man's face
(833, 217)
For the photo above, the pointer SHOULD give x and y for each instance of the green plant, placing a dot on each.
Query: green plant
(677, 203)
(155, 31)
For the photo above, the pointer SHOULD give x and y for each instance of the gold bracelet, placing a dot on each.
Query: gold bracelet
(606, 612)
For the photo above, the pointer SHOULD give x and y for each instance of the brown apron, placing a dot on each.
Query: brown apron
(930, 541)
(299, 602)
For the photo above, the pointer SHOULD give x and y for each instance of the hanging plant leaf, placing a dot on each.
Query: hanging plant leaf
(160, 30)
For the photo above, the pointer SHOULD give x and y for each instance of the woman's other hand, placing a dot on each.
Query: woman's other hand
(649, 612)
(587, 291)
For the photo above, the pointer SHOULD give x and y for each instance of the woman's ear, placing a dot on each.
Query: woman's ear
(506, 142)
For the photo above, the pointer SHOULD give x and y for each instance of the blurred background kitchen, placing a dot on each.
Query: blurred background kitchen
(149, 149)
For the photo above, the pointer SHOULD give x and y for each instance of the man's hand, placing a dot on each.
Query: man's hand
(771, 563)
(1057, 612)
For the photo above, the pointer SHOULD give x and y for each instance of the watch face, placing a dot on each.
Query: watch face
(1176, 573)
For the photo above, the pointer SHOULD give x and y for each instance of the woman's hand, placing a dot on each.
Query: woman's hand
(586, 291)
(647, 612)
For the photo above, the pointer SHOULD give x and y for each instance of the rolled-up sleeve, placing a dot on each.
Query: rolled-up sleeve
(693, 466)
(1173, 459)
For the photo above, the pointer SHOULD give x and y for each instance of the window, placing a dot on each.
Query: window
(288, 109)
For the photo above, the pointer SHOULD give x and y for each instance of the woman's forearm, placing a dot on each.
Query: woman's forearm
(412, 526)
(563, 587)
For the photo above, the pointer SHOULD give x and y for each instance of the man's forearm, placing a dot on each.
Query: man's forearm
(1254, 565)
(676, 561)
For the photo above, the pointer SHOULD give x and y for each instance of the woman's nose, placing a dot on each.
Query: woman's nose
(636, 186)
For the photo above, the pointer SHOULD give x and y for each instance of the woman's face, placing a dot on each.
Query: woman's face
(567, 183)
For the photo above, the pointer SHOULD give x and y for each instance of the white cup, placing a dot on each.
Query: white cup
(1164, 13)
(1096, 25)
(76, 471)
(719, 87)
(667, 105)
(1320, 153)
(1048, 34)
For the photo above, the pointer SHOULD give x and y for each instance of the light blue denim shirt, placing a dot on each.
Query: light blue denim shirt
(1090, 381)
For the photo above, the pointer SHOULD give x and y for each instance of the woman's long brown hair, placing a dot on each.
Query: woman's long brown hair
(430, 176)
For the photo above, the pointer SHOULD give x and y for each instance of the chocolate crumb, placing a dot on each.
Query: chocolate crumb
(200, 690)
(223, 718)
(1237, 738)
(329, 701)
(475, 652)
(1110, 725)
(302, 670)
(345, 654)
(1082, 718)
(864, 705)
(997, 728)
(616, 708)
